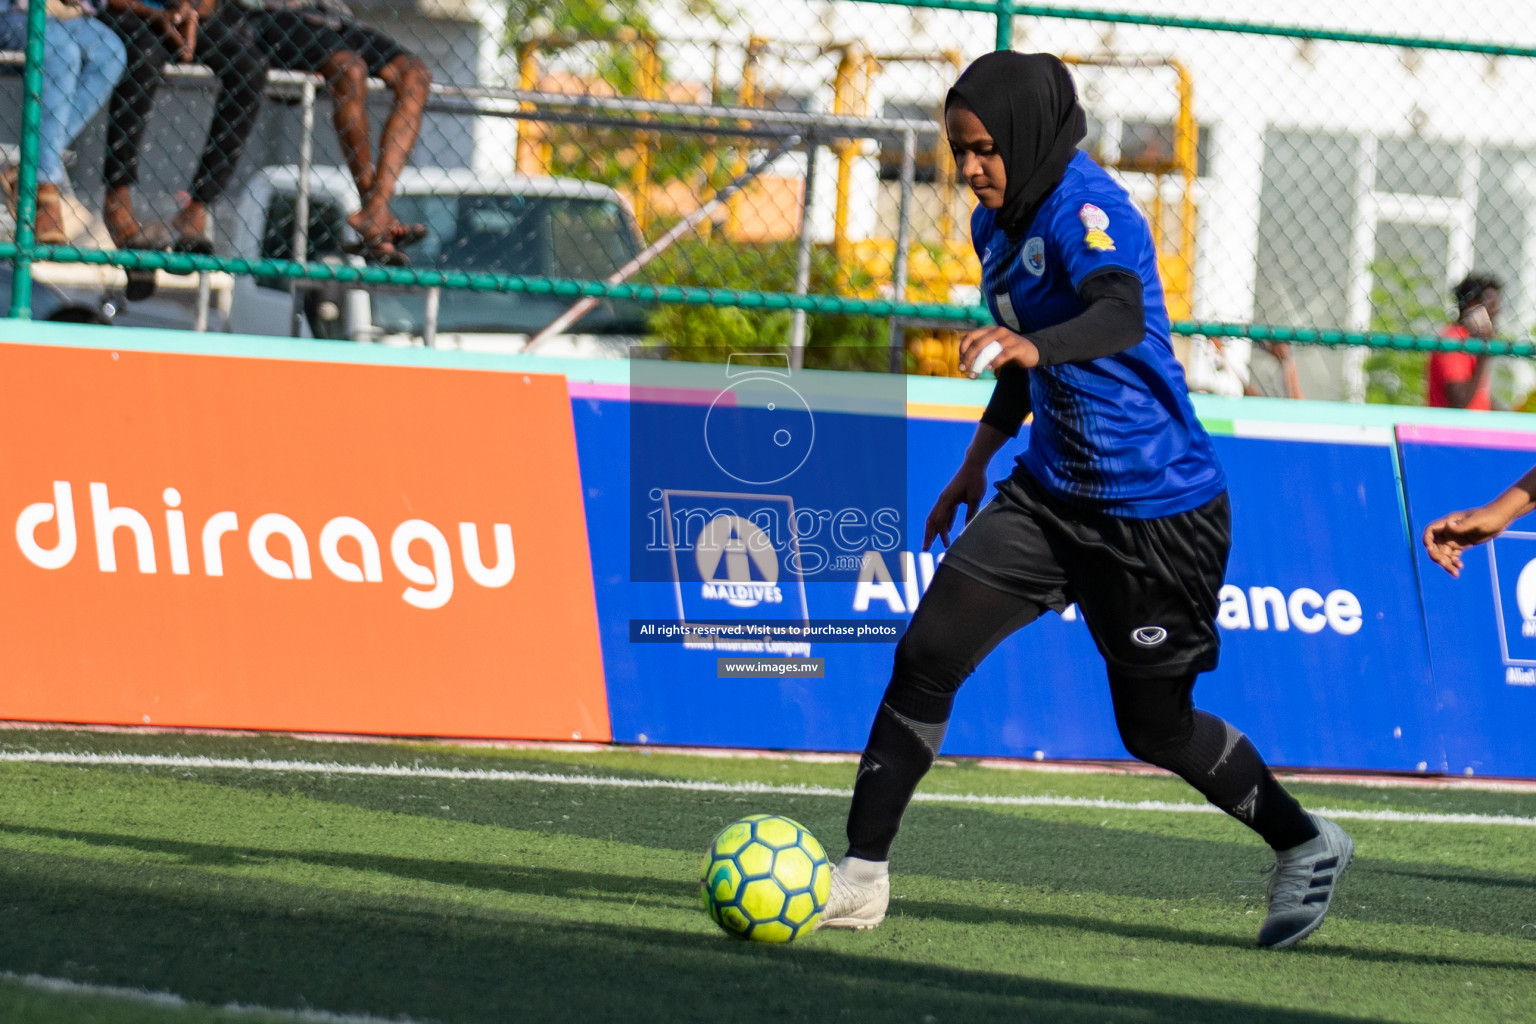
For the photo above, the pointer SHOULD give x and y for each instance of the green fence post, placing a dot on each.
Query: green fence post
(1005, 24)
(26, 170)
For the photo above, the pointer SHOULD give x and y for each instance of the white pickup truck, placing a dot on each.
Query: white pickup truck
(546, 227)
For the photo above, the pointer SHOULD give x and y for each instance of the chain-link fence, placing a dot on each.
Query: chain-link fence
(706, 173)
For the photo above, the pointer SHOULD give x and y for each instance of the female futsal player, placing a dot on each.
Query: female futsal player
(1118, 504)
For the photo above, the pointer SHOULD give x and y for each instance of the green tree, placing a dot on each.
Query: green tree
(709, 333)
(598, 18)
(1404, 299)
(608, 36)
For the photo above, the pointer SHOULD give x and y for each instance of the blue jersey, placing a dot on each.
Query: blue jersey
(1117, 434)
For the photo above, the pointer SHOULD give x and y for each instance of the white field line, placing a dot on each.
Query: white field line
(1341, 777)
(171, 1001)
(751, 788)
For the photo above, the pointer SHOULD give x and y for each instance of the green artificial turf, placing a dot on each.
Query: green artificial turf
(456, 900)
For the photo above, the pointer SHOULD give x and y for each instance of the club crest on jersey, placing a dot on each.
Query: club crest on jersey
(1096, 222)
(1034, 255)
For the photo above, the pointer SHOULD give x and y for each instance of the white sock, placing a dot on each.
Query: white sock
(864, 872)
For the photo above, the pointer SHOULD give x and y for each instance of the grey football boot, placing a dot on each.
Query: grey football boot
(861, 890)
(1302, 882)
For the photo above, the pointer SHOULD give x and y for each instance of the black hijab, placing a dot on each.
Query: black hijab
(1029, 106)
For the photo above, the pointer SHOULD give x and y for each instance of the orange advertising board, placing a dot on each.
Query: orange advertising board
(270, 544)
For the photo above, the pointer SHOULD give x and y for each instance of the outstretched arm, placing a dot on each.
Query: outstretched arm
(1447, 537)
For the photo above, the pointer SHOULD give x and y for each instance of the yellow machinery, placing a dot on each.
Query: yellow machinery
(936, 266)
(850, 98)
(534, 153)
(1176, 244)
(851, 87)
(750, 95)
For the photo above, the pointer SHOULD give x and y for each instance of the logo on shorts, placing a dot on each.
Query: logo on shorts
(1148, 636)
(1034, 255)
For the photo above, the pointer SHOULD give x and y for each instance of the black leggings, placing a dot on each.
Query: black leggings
(958, 623)
(226, 44)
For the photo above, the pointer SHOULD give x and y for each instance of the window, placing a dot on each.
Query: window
(327, 228)
(591, 239)
(1306, 218)
(926, 167)
(1148, 146)
(537, 236)
(1418, 167)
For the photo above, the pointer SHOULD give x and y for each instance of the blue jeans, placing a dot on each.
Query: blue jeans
(82, 61)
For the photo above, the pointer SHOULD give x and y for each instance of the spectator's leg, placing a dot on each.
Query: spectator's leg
(62, 59)
(228, 46)
(128, 113)
(408, 78)
(346, 76)
(13, 36)
(103, 65)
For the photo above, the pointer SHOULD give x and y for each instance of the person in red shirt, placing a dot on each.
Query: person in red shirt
(1459, 380)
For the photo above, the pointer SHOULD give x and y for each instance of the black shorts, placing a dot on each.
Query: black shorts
(1147, 588)
(295, 42)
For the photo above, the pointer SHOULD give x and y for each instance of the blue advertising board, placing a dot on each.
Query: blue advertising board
(1324, 659)
(1344, 646)
(1481, 627)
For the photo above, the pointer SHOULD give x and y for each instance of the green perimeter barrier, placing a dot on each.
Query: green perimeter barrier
(684, 295)
(1216, 411)
(24, 251)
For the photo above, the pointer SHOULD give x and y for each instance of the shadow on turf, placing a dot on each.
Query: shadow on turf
(960, 843)
(220, 939)
(1418, 872)
(632, 891)
(537, 881)
(970, 914)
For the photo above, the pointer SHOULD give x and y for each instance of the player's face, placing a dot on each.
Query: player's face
(976, 158)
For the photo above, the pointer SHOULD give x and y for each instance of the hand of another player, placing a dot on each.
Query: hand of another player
(967, 487)
(1011, 348)
(1447, 537)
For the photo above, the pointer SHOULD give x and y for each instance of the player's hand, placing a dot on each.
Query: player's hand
(977, 351)
(1477, 322)
(967, 487)
(1447, 537)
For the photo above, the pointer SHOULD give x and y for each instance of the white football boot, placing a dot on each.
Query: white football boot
(1301, 884)
(861, 890)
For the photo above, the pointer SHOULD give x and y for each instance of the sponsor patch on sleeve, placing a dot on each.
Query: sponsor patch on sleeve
(1096, 223)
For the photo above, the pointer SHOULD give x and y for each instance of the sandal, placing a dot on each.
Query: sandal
(141, 284)
(141, 281)
(191, 245)
(194, 245)
(48, 220)
(378, 251)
